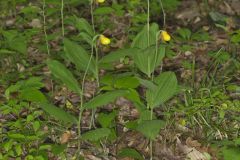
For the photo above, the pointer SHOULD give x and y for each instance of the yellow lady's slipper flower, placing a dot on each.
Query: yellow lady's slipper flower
(100, 1)
(104, 40)
(165, 36)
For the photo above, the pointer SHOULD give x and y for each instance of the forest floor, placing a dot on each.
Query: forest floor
(202, 120)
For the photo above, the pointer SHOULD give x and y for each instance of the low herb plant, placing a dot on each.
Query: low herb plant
(147, 51)
(142, 57)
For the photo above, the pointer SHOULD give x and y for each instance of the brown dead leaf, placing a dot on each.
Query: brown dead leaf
(191, 152)
(192, 143)
(35, 23)
(65, 137)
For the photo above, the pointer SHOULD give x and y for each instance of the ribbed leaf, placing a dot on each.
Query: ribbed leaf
(116, 55)
(32, 95)
(130, 153)
(141, 40)
(149, 84)
(83, 25)
(147, 59)
(64, 75)
(150, 128)
(79, 56)
(166, 88)
(58, 113)
(86, 38)
(126, 82)
(96, 134)
(104, 99)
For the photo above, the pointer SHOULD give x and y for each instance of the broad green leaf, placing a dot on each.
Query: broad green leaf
(103, 10)
(185, 33)
(79, 56)
(146, 115)
(33, 82)
(96, 135)
(83, 25)
(106, 120)
(130, 153)
(32, 95)
(231, 153)
(36, 125)
(64, 75)
(58, 113)
(170, 5)
(58, 149)
(237, 141)
(86, 38)
(19, 44)
(141, 40)
(18, 149)
(8, 145)
(16, 136)
(166, 89)
(133, 96)
(107, 79)
(150, 128)
(104, 99)
(148, 59)
(132, 125)
(126, 82)
(146, 83)
(116, 55)
(30, 10)
(45, 147)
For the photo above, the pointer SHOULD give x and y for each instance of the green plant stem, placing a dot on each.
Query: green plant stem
(82, 99)
(193, 73)
(92, 17)
(62, 18)
(156, 51)
(164, 14)
(79, 128)
(149, 75)
(148, 21)
(151, 142)
(44, 27)
(96, 59)
(98, 84)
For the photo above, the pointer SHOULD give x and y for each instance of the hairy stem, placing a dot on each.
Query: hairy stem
(148, 21)
(44, 26)
(164, 14)
(96, 60)
(62, 18)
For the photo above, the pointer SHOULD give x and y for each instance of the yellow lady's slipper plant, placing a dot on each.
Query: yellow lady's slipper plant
(104, 40)
(165, 36)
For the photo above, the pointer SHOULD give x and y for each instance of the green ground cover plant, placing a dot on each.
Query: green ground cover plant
(69, 69)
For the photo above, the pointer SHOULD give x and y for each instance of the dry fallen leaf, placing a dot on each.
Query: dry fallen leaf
(192, 143)
(191, 152)
(65, 137)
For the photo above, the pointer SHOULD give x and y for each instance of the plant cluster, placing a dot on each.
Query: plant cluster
(82, 50)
